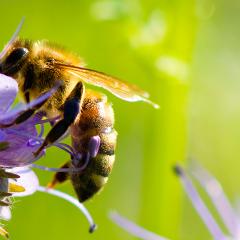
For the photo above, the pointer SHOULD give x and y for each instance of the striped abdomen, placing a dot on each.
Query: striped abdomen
(96, 118)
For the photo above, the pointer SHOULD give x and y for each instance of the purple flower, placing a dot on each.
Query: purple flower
(17, 144)
(215, 192)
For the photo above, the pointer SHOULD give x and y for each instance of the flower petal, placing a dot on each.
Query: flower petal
(8, 92)
(14, 112)
(133, 228)
(13, 38)
(218, 197)
(199, 204)
(19, 152)
(28, 179)
(5, 213)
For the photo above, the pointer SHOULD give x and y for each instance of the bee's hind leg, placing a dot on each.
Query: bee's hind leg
(71, 109)
(60, 177)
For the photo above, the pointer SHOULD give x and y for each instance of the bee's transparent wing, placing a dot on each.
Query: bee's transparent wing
(119, 88)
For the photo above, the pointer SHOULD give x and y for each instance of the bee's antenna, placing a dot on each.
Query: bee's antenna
(13, 38)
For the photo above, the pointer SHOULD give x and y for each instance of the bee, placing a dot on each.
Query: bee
(38, 66)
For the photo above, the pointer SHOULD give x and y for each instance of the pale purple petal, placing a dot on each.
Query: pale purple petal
(133, 228)
(5, 213)
(219, 199)
(13, 38)
(28, 179)
(14, 112)
(199, 205)
(8, 92)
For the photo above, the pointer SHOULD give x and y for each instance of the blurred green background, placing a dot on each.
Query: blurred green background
(185, 54)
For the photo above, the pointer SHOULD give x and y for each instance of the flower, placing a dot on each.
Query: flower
(17, 144)
(215, 192)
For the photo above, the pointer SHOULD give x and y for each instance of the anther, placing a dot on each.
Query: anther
(178, 170)
(94, 145)
(92, 228)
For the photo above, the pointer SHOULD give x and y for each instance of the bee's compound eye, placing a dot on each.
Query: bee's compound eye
(14, 60)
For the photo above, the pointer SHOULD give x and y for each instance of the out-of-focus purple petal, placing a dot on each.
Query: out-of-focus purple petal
(8, 92)
(133, 228)
(13, 38)
(219, 199)
(199, 205)
(5, 213)
(28, 179)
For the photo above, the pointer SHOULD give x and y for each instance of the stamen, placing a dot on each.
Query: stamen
(41, 130)
(65, 148)
(50, 169)
(199, 205)
(133, 228)
(23, 134)
(86, 161)
(68, 146)
(74, 202)
(13, 38)
(61, 146)
(93, 146)
(219, 199)
(33, 142)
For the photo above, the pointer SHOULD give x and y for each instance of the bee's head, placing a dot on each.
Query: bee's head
(13, 58)
(14, 61)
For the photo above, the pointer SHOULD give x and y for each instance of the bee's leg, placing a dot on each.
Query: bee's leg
(60, 177)
(71, 109)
